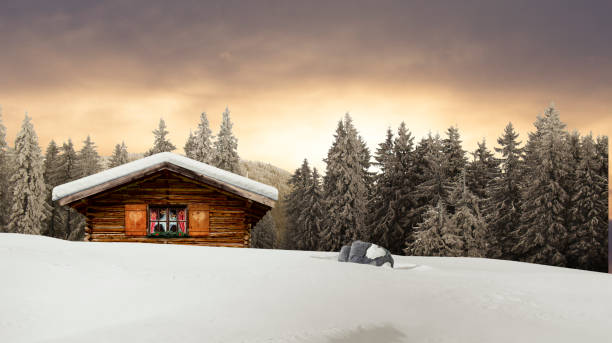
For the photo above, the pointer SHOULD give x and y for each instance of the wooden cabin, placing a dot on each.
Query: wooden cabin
(168, 198)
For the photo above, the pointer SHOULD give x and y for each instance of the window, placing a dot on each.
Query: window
(168, 221)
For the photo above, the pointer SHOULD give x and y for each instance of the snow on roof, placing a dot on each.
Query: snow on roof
(197, 167)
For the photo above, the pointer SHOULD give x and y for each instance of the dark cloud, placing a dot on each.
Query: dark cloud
(556, 44)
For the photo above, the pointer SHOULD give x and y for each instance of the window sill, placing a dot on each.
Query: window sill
(167, 235)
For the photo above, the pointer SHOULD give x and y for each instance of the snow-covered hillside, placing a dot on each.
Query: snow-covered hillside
(58, 291)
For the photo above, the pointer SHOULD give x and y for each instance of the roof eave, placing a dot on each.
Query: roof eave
(71, 198)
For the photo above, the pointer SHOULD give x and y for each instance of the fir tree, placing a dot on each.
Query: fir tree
(264, 233)
(504, 203)
(475, 239)
(311, 217)
(88, 161)
(392, 205)
(67, 171)
(434, 237)
(190, 146)
(226, 156)
(382, 219)
(120, 155)
(29, 209)
(203, 147)
(161, 143)
(433, 167)
(588, 235)
(298, 182)
(5, 191)
(543, 235)
(454, 153)
(51, 166)
(345, 188)
(481, 171)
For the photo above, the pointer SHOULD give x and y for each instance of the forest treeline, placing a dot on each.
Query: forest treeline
(545, 201)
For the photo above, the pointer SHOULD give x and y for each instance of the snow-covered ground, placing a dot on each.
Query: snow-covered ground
(58, 291)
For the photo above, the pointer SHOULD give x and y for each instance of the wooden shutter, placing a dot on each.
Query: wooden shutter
(199, 219)
(136, 220)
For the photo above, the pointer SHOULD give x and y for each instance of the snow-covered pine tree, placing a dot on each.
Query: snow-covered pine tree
(203, 147)
(264, 233)
(589, 235)
(190, 146)
(51, 166)
(481, 171)
(67, 171)
(455, 155)
(5, 192)
(393, 204)
(542, 234)
(311, 217)
(345, 189)
(468, 223)
(433, 167)
(504, 194)
(29, 209)
(161, 143)
(316, 213)
(434, 234)
(382, 221)
(88, 161)
(120, 155)
(295, 203)
(226, 155)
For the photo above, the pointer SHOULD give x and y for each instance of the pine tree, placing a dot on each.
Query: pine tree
(29, 209)
(454, 153)
(433, 166)
(295, 201)
(434, 237)
(392, 205)
(203, 147)
(588, 235)
(51, 166)
(481, 171)
(504, 203)
(5, 192)
(162, 143)
(67, 171)
(88, 161)
(543, 235)
(264, 232)
(345, 188)
(226, 156)
(382, 220)
(190, 146)
(120, 156)
(311, 217)
(476, 240)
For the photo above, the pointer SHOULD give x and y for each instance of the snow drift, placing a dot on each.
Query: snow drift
(59, 291)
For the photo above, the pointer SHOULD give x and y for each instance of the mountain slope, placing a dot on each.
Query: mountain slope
(60, 291)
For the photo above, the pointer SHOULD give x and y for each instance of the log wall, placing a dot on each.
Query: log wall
(231, 216)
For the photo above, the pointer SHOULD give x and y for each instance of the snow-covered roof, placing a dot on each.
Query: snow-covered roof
(199, 168)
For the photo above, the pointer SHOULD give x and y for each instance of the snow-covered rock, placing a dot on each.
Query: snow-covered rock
(368, 253)
(343, 256)
(59, 291)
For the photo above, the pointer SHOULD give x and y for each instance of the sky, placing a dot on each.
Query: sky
(289, 70)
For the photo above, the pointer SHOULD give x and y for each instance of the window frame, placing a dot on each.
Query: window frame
(168, 234)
